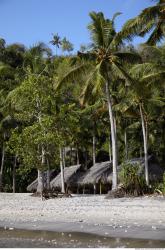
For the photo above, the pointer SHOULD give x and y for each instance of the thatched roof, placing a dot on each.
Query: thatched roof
(71, 174)
(100, 172)
(32, 187)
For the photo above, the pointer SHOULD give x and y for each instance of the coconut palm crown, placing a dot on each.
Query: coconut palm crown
(151, 19)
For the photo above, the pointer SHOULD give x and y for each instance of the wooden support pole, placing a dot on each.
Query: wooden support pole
(94, 188)
(100, 188)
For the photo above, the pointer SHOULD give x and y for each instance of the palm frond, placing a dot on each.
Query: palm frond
(156, 77)
(123, 72)
(115, 15)
(128, 57)
(90, 85)
(134, 125)
(96, 28)
(72, 75)
(89, 56)
(140, 70)
(157, 34)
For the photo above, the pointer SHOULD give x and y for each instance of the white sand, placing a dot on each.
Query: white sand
(92, 210)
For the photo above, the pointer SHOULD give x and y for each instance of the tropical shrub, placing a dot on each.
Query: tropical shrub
(161, 186)
(133, 182)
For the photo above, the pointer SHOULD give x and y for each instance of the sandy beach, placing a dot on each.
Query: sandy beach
(142, 217)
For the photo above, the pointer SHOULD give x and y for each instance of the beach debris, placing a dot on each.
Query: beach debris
(126, 231)
(106, 233)
(11, 228)
(70, 235)
(153, 227)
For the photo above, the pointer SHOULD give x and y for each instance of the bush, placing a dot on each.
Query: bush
(161, 186)
(133, 182)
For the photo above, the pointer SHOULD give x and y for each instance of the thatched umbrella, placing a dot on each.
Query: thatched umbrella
(71, 174)
(33, 186)
(97, 174)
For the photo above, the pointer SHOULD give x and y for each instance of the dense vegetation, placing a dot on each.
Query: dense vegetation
(106, 100)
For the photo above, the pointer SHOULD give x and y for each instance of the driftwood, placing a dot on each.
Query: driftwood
(50, 194)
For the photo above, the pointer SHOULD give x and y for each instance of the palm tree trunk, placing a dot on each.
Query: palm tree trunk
(62, 172)
(86, 159)
(126, 144)
(109, 144)
(145, 135)
(63, 157)
(14, 171)
(71, 156)
(77, 156)
(2, 167)
(113, 139)
(48, 175)
(94, 149)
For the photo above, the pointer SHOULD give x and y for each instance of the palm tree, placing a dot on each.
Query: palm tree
(35, 58)
(143, 96)
(56, 41)
(66, 45)
(150, 19)
(102, 63)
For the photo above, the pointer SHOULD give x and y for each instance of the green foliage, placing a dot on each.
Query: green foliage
(133, 181)
(161, 186)
(48, 101)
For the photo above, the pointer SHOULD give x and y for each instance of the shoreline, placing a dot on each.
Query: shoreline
(131, 232)
(137, 218)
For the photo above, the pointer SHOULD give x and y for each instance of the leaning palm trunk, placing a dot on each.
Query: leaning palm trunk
(113, 139)
(62, 171)
(144, 129)
(2, 167)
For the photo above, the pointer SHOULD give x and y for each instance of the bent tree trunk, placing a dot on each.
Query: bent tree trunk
(145, 135)
(62, 172)
(113, 138)
(2, 167)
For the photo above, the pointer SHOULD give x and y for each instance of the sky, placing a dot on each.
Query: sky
(32, 21)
